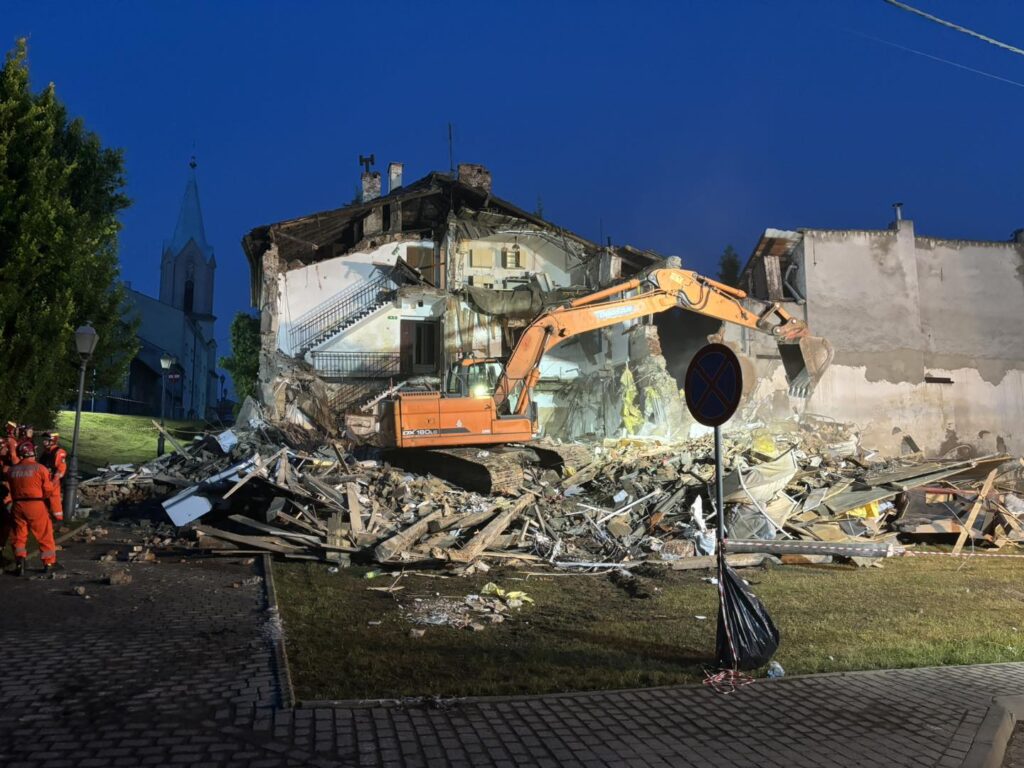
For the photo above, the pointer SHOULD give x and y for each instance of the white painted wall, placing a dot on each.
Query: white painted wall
(300, 290)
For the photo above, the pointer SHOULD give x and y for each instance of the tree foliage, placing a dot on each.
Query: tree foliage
(244, 362)
(729, 267)
(60, 195)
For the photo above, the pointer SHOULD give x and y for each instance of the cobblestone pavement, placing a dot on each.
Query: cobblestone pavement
(179, 668)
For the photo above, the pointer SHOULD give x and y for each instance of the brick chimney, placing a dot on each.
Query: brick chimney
(474, 175)
(371, 185)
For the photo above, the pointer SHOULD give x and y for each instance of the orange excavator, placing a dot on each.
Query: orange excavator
(487, 404)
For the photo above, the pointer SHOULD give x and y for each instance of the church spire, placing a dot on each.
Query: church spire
(190, 218)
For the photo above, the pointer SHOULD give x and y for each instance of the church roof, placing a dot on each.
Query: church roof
(190, 220)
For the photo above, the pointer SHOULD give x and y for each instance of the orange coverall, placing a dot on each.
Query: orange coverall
(6, 517)
(12, 449)
(56, 460)
(31, 486)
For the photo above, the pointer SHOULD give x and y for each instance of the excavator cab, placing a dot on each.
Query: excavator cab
(473, 378)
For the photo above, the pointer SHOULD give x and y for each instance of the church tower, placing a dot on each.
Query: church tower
(187, 266)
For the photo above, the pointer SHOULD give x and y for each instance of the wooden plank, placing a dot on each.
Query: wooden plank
(258, 469)
(260, 542)
(403, 540)
(303, 538)
(332, 495)
(1009, 518)
(355, 509)
(975, 509)
(490, 532)
(170, 439)
(301, 524)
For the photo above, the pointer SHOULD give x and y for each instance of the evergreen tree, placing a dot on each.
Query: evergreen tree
(729, 267)
(244, 362)
(60, 194)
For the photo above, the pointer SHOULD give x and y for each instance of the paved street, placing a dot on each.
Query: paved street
(179, 668)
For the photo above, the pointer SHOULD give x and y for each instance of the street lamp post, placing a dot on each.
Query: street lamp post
(85, 341)
(166, 361)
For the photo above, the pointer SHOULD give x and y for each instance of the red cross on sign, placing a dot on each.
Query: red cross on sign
(713, 385)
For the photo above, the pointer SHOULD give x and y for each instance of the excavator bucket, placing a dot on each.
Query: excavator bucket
(805, 362)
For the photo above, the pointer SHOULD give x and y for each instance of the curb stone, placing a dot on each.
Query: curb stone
(280, 652)
(452, 701)
(989, 745)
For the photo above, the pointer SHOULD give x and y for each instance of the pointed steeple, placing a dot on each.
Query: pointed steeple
(190, 219)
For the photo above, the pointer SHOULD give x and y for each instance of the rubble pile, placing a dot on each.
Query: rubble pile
(806, 490)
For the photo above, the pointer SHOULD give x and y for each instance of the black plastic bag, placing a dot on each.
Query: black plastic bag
(747, 637)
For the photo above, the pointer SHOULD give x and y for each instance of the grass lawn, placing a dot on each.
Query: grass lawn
(586, 633)
(107, 438)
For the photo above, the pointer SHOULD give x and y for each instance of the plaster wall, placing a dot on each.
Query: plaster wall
(537, 254)
(897, 309)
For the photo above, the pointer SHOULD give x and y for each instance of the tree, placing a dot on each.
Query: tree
(244, 362)
(60, 195)
(729, 267)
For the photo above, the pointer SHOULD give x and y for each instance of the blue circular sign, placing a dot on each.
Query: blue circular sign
(714, 385)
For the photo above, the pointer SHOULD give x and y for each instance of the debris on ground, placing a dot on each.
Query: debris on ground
(119, 578)
(805, 490)
(475, 612)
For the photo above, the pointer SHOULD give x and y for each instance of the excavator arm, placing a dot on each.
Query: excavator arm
(804, 357)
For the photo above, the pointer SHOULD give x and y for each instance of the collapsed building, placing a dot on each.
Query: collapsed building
(394, 288)
(928, 355)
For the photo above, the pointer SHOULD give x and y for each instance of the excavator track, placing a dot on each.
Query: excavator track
(496, 469)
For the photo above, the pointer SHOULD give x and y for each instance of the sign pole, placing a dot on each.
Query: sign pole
(719, 494)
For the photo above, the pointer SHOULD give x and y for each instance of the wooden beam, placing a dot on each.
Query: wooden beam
(260, 542)
(404, 539)
(978, 504)
(475, 547)
(273, 530)
(171, 440)
(355, 510)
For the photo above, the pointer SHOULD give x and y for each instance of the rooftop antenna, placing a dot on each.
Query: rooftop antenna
(366, 162)
(451, 148)
(192, 162)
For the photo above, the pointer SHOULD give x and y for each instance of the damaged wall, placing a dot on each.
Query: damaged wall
(926, 336)
(331, 304)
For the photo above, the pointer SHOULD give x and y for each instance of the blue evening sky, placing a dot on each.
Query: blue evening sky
(679, 126)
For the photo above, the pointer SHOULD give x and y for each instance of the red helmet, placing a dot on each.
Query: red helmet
(26, 450)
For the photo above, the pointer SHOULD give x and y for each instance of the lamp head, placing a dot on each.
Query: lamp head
(85, 340)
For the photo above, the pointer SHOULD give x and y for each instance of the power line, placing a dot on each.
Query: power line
(957, 27)
(937, 58)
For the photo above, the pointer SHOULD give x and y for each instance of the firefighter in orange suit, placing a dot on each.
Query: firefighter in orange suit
(31, 489)
(11, 441)
(55, 459)
(6, 517)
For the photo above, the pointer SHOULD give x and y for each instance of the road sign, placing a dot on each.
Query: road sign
(173, 376)
(714, 385)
